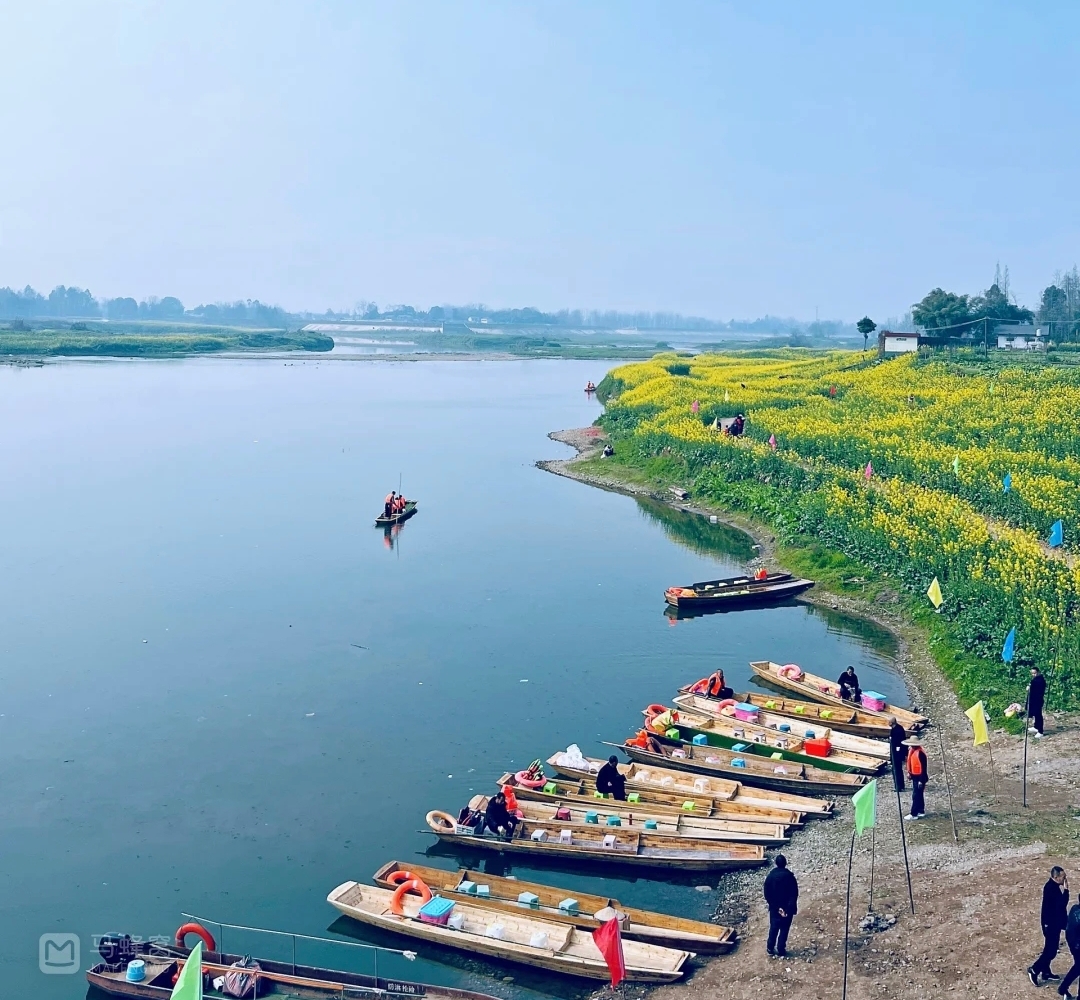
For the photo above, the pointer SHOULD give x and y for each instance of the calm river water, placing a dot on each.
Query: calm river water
(223, 693)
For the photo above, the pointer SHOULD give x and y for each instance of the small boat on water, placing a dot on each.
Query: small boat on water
(402, 515)
(522, 937)
(736, 592)
(847, 720)
(748, 739)
(718, 786)
(709, 708)
(781, 774)
(652, 802)
(633, 846)
(631, 814)
(589, 387)
(162, 964)
(505, 893)
(790, 677)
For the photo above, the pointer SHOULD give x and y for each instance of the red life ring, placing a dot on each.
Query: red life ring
(791, 670)
(654, 710)
(726, 703)
(185, 929)
(700, 687)
(413, 885)
(396, 878)
(523, 779)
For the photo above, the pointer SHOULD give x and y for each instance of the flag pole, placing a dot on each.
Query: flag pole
(873, 845)
(903, 840)
(1027, 727)
(948, 786)
(847, 909)
(993, 770)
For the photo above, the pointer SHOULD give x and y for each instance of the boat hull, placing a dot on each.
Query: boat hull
(737, 592)
(643, 925)
(385, 522)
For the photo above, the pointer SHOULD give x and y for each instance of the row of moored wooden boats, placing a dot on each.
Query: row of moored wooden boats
(710, 785)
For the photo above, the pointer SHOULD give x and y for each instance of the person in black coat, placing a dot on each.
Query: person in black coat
(849, 685)
(1072, 939)
(1036, 697)
(609, 779)
(897, 752)
(497, 817)
(782, 897)
(1052, 917)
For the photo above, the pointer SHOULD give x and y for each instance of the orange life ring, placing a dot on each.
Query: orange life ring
(654, 710)
(396, 878)
(185, 929)
(441, 822)
(700, 687)
(791, 670)
(523, 779)
(413, 885)
(726, 703)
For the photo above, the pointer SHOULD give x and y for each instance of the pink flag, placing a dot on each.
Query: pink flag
(869, 471)
(772, 441)
(694, 406)
(608, 938)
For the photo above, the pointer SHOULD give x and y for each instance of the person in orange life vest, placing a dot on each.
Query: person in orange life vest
(388, 504)
(645, 742)
(717, 687)
(916, 769)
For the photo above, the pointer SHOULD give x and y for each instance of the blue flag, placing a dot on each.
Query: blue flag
(1007, 482)
(1057, 534)
(1009, 647)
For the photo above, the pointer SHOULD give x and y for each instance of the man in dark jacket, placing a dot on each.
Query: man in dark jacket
(1052, 917)
(897, 752)
(1072, 939)
(1036, 697)
(610, 781)
(849, 685)
(782, 897)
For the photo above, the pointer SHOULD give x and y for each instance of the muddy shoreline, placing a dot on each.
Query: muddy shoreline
(976, 895)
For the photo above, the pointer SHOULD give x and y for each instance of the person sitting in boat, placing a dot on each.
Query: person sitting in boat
(849, 685)
(388, 504)
(497, 817)
(610, 780)
(717, 687)
(646, 741)
(399, 504)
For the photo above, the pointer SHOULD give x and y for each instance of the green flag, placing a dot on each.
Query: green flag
(189, 985)
(865, 802)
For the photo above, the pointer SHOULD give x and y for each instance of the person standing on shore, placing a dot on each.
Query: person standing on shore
(1036, 697)
(916, 769)
(782, 897)
(897, 752)
(1052, 918)
(1072, 939)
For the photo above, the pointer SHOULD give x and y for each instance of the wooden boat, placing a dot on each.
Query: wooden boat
(275, 979)
(682, 824)
(653, 802)
(402, 515)
(559, 947)
(720, 787)
(697, 936)
(846, 720)
(708, 708)
(819, 689)
(613, 845)
(736, 592)
(782, 774)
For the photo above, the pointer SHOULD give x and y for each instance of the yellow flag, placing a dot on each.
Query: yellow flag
(978, 722)
(934, 593)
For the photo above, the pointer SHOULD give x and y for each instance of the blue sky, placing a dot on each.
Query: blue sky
(723, 160)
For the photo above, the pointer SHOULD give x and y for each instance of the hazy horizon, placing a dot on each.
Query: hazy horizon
(704, 160)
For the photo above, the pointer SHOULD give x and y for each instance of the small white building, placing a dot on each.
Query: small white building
(899, 343)
(1029, 341)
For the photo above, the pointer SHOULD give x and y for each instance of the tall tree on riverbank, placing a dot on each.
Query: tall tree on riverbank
(866, 326)
(939, 309)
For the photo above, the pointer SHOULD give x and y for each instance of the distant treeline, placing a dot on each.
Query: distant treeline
(71, 303)
(79, 304)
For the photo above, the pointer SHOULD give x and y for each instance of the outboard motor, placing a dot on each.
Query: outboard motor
(116, 951)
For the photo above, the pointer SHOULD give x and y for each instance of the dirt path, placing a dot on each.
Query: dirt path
(976, 925)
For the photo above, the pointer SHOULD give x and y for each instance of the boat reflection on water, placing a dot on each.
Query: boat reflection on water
(390, 534)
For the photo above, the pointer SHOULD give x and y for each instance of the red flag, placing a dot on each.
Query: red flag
(772, 441)
(608, 938)
(694, 406)
(869, 471)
